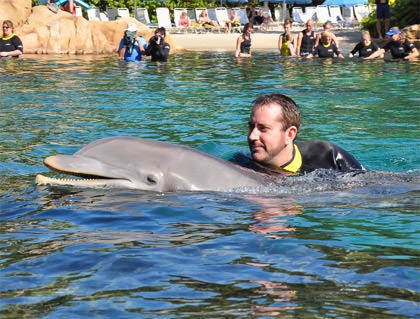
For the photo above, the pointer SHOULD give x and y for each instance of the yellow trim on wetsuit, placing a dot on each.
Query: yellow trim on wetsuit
(366, 45)
(326, 46)
(296, 162)
(9, 37)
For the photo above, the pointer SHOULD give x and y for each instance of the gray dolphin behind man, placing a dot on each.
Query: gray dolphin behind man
(130, 162)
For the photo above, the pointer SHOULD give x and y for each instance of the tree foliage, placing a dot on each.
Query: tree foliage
(403, 13)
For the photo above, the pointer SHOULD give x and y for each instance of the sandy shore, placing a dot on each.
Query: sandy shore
(261, 40)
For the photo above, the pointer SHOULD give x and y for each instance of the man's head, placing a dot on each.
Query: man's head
(273, 126)
(161, 32)
(309, 25)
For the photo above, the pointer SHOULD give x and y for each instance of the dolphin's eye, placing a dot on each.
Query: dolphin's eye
(151, 180)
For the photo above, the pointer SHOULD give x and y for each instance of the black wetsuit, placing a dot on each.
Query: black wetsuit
(365, 50)
(399, 50)
(9, 44)
(309, 156)
(326, 52)
(246, 45)
(159, 52)
(307, 44)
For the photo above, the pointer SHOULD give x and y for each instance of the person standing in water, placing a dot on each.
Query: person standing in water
(243, 44)
(306, 40)
(365, 47)
(10, 44)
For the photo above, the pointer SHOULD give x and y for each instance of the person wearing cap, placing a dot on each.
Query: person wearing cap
(10, 44)
(383, 12)
(400, 47)
(131, 46)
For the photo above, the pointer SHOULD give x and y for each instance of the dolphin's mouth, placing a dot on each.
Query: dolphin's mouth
(85, 179)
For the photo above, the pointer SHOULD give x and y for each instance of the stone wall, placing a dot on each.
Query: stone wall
(45, 32)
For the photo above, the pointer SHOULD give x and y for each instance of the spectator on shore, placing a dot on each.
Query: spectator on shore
(383, 12)
(233, 21)
(205, 20)
(10, 44)
(184, 20)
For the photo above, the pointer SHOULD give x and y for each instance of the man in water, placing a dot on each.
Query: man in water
(273, 126)
(131, 46)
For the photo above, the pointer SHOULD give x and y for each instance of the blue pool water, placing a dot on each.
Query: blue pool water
(315, 246)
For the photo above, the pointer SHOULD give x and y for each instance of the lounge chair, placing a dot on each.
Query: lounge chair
(94, 14)
(191, 15)
(222, 16)
(212, 13)
(241, 14)
(361, 11)
(163, 17)
(142, 15)
(177, 15)
(103, 16)
(281, 14)
(114, 14)
(310, 13)
(298, 16)
(335, 13)
(78, 10)
(323, 14)
(198, 12)
(348, 16)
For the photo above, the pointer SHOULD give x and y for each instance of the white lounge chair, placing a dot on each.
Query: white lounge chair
(177, 15)
(94, 14)
(191, 15)
(114, 14)
(323, 14)
(310, 13)
(78, 10)
(163, 17)
(281, 14)
(222, 16)
(298, 16)
(212, 13)
(241, 14)
(142, 15)
(103, 16)
(361, 11)
(335, 13)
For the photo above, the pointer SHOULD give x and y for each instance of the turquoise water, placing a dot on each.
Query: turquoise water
(317, 246)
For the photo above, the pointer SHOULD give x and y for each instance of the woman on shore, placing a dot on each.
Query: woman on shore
(287, 41)
(204, 20)
(400, 47)
(10, 44)
(326, 49)
(243, 44)
(184, 20)
(365, 47)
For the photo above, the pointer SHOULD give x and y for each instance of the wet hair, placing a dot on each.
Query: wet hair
(288, 21)
(247, 26)
(326, 23)
(326, 34)
(290, 110)
(161, 30)
(8, 23)
(364, 33)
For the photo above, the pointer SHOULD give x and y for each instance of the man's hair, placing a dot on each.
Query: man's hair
(161, 30)
(290, 110)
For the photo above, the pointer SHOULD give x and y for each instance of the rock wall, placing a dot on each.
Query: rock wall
(45, 32)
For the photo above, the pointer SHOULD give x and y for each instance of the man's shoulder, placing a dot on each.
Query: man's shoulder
(324, 154)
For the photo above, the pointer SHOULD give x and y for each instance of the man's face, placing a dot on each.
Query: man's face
(266, 137)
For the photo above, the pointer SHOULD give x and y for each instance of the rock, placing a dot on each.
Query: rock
(412, 32)
(16, 11)
(45, 32)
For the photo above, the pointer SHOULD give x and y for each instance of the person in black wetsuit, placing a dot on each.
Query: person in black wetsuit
(326, 48)
(273, 126)
(243, 44)
(10, 44)
(306, 40)
(400, 47)
(365, 47)
(157, 47)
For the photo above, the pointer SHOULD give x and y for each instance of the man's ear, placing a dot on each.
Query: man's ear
(291, 133)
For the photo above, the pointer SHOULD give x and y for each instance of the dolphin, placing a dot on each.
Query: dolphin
(131, 162)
